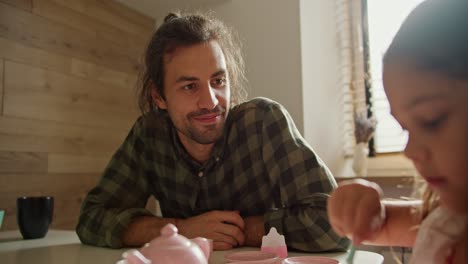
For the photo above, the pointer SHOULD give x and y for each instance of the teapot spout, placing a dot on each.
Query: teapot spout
(205, 244)
(133, 257)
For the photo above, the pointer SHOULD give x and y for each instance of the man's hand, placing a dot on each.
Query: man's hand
(225, 228)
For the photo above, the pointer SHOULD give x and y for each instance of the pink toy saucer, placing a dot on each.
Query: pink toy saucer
(251, 257)
(309, 260)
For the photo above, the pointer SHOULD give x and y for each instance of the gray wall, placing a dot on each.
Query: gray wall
(271, 34)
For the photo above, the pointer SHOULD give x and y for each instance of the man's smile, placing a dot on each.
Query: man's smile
(208, 119)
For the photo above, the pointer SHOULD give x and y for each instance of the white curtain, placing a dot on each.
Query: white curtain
(351, 76)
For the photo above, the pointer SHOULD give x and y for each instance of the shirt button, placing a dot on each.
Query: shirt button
(200, 174)
(217, 159)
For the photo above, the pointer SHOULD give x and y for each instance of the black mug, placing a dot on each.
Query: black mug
(34, 215)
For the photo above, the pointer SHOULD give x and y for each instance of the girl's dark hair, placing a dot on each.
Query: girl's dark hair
(182, 31)
(434, 37)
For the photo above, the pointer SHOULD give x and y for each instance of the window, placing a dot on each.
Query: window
(384, 17)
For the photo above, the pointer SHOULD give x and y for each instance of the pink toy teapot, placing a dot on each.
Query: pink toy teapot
(170, 247)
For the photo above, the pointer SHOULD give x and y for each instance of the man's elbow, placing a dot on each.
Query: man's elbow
(91, 237)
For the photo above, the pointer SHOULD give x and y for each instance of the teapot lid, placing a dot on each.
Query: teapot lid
(170, 238)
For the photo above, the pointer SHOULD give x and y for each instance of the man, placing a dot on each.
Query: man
(221, 171)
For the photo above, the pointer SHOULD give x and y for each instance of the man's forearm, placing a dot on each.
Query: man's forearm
(143, 229)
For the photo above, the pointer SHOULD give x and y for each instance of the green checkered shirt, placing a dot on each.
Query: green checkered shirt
(261, 166)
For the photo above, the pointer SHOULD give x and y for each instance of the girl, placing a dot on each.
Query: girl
(426, 81)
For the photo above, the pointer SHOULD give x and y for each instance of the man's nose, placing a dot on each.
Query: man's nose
(207, 99)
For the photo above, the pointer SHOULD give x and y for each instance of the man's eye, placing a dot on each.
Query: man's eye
(219, 82)
(189, 86)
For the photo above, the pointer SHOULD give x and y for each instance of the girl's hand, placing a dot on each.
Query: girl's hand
(355, 210)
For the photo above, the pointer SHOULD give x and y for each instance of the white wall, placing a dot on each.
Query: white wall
(321, 96)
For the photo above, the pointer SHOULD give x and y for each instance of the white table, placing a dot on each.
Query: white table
(61, 246)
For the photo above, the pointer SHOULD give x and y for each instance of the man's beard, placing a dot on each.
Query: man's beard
(212, 133)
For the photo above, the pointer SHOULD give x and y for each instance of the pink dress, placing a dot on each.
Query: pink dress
(437, 236)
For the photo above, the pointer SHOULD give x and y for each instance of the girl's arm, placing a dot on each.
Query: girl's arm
(400, 225)
(356, 210)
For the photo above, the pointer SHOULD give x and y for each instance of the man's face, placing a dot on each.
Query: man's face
(197, 92)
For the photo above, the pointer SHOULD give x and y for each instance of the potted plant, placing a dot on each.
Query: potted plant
(364, 128)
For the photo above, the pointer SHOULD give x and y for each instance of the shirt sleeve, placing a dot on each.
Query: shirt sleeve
(120, 196)
(304, 183)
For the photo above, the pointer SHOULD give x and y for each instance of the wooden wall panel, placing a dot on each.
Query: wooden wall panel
(68, 71)
(51, 96)
(133, 44)
(22, 162)
(2, 63)
(21, 126)
(15, 52)
(23, 135)
(23, 4)
(43, 81)
(66, 163)
(75, 146)
(111, 14)
(36, 31)
(95, 72)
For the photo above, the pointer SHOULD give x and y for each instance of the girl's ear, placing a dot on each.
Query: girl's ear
(157, 98)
